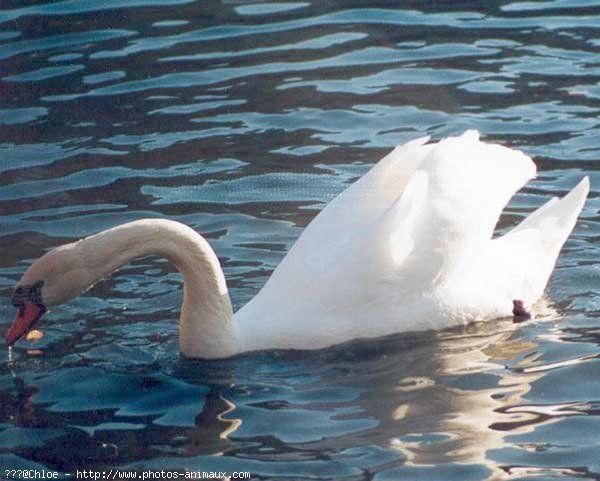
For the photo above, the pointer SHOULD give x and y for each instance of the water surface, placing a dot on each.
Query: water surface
(243, 119)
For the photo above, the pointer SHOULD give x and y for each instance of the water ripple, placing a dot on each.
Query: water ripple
(242, 119)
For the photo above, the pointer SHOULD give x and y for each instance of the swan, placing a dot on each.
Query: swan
(407, 247)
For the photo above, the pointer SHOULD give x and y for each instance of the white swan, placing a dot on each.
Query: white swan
(407, 247)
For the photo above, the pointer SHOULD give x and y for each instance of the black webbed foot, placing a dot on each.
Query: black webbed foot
(520, 313)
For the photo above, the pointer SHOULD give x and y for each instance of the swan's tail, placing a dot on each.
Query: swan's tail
(557, 217)
(540, 237)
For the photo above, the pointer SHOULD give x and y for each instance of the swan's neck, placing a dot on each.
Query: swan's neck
(206, 328)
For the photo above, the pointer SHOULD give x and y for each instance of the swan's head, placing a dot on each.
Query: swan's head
(53, 279)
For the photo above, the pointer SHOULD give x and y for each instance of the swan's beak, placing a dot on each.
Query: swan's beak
(27, 316)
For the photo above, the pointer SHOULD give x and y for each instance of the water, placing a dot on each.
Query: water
(242, 120)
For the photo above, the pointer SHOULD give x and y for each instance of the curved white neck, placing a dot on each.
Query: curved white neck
(206, 327)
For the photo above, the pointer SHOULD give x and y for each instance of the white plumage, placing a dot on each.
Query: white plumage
(409, 247)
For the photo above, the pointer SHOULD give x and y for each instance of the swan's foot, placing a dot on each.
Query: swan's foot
(520, 312)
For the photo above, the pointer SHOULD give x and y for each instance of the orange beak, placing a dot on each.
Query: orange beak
(27, 316)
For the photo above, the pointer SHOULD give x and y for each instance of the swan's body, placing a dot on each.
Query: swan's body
(407, 247)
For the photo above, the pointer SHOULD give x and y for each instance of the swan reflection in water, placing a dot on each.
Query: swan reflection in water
(433, 398)
(424, 399)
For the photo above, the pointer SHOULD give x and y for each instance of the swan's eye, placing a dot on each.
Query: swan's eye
(19, 297)
(27, 293)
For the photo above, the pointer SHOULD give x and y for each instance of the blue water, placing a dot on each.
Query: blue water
(243, 119)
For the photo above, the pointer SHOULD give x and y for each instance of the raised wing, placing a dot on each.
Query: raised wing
(351, 213)
(470, 183)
